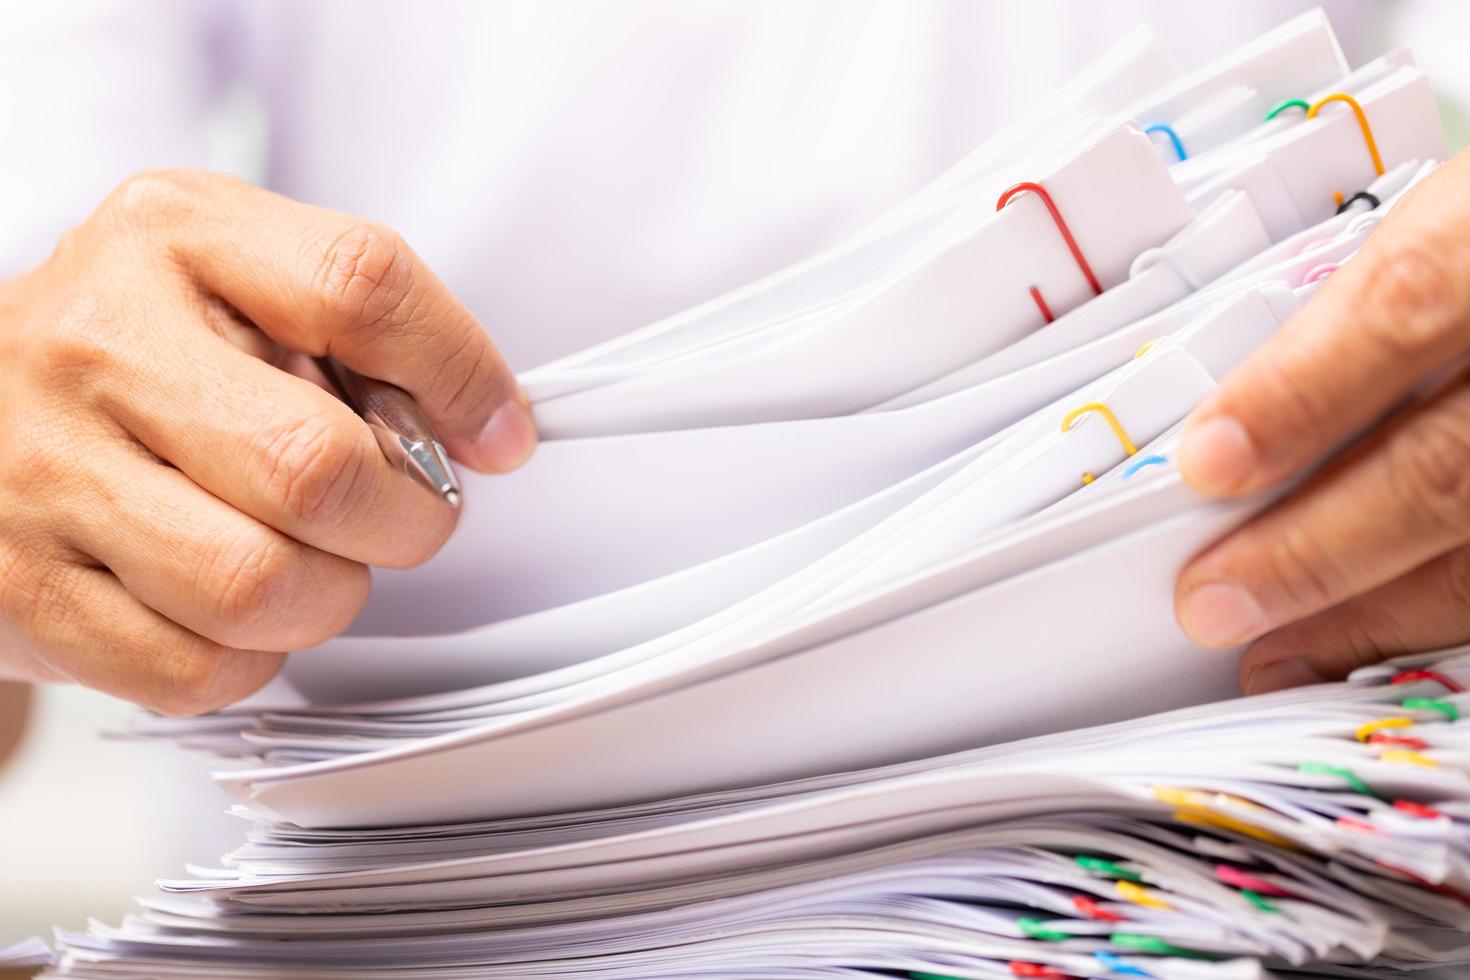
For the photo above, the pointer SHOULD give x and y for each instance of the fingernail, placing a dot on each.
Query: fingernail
(1217, 456)
(1278, 676)
(508, 439)
(1221, 614)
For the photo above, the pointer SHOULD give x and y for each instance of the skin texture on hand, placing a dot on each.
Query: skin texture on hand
(15, 710)
(1368, 557)
(181, 502)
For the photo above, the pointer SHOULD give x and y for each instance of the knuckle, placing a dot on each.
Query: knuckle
(1414, 292)
(246, 579)
(157, 197)
(191, 680)
(365, 277)
(313, 468)
(1430, 464)
(83, 344)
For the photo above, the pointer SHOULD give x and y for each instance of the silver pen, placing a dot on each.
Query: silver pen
(400, 427)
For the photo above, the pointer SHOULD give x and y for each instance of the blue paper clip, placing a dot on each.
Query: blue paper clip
(1112, 964)
(1168, 131)
(1140, 463)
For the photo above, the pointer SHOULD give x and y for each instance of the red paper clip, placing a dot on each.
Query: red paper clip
(1244, 879)
(1410, 676)
(1402, 741)
(1056, 217)
(1093, 911)
(1419, 810)
(1040, 971)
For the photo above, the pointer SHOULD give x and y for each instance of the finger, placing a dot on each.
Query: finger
(274, 446)
(323, 283)
(83, 619)
(215, 571)
(1379, 325)
(1427, 609)
(1393, 503)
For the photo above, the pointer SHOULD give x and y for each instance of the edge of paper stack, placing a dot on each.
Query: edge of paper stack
(830, 633)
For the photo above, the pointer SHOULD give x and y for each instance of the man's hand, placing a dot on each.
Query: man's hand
(1369, 557)
(176, 507)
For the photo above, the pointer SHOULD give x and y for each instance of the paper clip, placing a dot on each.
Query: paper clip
(1369, 196)
(1139, 895)
(1409, 676)
(1039, 970)
(1203, 810)
(1107, 413)
(1115, 965)
(1445, 708)
(1403, 741)
(1408, 757)
(1056, 217)
(1151, 257)
(1089, 908)
(1037, 929)
(1246, 881)
(1153, 459)
(1368, 139)
(1285, 104)
(1148, 345)
(1368, 729)
(1153, 944)
(1168, 131)
(1106, 868)
(1319, 272)
(1419, 810)
(1341, 772)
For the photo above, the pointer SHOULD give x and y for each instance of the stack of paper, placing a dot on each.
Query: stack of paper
(726, 648)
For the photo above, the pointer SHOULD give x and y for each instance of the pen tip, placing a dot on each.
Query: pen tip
(451, 497)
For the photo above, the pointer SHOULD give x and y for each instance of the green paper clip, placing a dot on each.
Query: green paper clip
(1108, 868)
(1285, 104)
(1341, 772)
(1135, 943)
(1259, 901)
(1445, 708)
(1036, 929)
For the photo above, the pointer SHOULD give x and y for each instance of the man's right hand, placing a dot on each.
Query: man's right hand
(178, 509)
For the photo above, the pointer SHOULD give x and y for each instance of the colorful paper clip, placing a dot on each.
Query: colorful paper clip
(1113, 964)
(1056, 217)
(1089, 908)
(1168, 131)
(1446, 708)
(1341, 772)
(1352, 103)
(1244, 880)
(1368, 729)
(1107, 413)
(1410, 676)
(1285, 104)
(1040, 971)
(1319, 272)
(1153, 459)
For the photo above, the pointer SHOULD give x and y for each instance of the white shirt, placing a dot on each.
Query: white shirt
(572, 168)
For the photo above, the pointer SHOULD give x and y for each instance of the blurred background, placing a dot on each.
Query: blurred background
(87, 823)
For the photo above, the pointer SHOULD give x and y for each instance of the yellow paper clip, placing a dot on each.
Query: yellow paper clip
(1362, 124)
(1148, 345)
(1139, 895)
(1408, 757)
(1369, 728)
(1368, 139)
(1113, 423)
(1203, 810)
